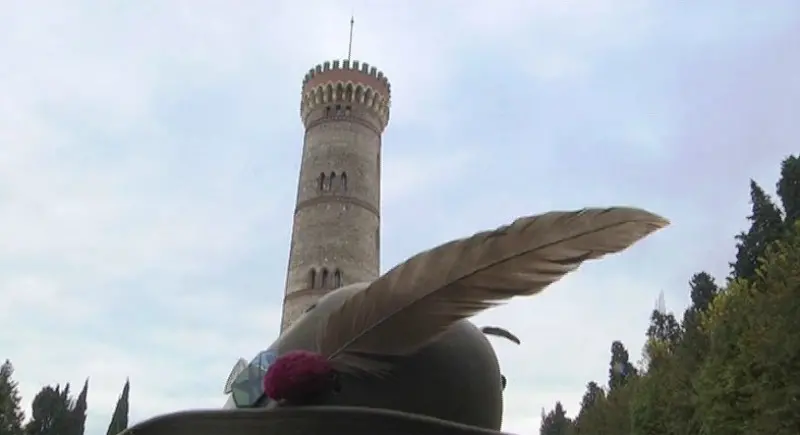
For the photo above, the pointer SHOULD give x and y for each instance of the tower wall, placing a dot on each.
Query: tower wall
(336, 228)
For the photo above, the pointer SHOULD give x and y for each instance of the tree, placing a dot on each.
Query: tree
(590, 418)
(119, 421)
(789, 189)
(662, 402)
(620, 368)
(766, 226)
(78, 414)
(664, 327)
(749, 382)
(51, 412)
(556, 422)
(11, 415)
(618, 407)
(609, 413)
(703, 291)
(732, 366)
(592, 395)
(663, 334)
(694, 344)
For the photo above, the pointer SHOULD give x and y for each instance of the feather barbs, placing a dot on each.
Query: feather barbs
(418, 300)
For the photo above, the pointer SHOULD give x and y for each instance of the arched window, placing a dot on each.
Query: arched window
(328, 111)
(337, 278)
(312, 278)
(344, 181)
(322, 182)
(332, 181)
(347, 111)
(324, 283)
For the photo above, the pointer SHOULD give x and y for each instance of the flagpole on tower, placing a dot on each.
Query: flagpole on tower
(350, 44)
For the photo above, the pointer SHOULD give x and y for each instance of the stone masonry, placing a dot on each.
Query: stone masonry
(336, 230)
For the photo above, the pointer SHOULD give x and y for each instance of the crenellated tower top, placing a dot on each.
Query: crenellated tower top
(346, 83)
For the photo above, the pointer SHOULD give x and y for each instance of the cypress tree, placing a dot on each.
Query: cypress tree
(766, 226)
(79, 411)
(11, 415)
(789, 189)
(119, 421)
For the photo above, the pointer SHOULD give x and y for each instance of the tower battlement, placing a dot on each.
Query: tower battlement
(351, 69)
(346, 83)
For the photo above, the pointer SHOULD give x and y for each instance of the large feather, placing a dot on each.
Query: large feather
(500, 332)
(418, 300)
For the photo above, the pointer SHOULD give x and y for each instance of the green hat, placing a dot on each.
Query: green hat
(324, 420)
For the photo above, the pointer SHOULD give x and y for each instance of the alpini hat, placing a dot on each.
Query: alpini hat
(398, 355)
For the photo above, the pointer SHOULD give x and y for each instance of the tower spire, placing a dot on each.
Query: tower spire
(350, 43)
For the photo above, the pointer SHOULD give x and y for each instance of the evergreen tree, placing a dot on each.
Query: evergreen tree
(663, 335)
(51, 412)
(703, 291)
(620, 368)
(119, 421)
(664, 328)
(695, 341)
(766, 226)
(592, 395)
(789, 189)
(749, 382)
(556, 422)
(78, 415)
(618, 407)
(732, 367)
(11, 415)
(590, 418)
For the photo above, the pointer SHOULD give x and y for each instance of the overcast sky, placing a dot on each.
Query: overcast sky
(149, 154)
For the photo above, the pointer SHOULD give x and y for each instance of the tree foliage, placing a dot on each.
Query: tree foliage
(750, 382)
(556, 422)
(11, 415)
(78, 414)
(732, 364)
(53, 410)
(620, 369)
(119, 421)
(766, 225)
(789, 188)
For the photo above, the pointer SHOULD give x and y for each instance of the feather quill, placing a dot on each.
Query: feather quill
(500, 332)
(418, 300)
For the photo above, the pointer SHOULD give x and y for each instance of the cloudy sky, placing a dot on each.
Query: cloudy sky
(149, 153)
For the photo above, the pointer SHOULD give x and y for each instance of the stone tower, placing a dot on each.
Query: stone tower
(336, 231)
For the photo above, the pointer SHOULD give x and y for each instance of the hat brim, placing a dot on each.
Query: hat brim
(324, 420)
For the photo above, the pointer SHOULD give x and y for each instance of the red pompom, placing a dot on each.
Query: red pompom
(298, 377)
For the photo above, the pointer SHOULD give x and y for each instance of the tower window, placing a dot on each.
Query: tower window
(332, 181)
(312, 278)
(347, 110)
(328, 111)
(324, 283)
(321, 182)
(337, 278)
(344, 181)
(338, 109)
